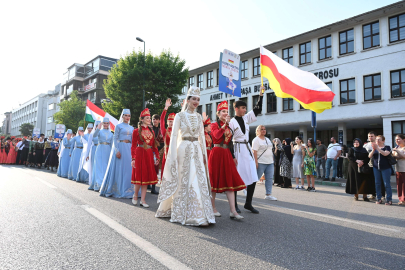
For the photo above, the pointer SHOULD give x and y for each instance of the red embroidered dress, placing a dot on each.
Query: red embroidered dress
(208, 143)
(144, 172)
(166, 133)
(222, 169)
(12, 154)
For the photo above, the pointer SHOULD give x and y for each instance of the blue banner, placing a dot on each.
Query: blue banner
(228, 84)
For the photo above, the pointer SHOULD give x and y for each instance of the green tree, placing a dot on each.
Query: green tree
(71, 112)
(165, 76)
(26, 129)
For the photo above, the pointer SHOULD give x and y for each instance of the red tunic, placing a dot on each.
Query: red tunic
(223, 173)
(208, 144)
(12, 155)
(144, 172)
(3, 154)
(166, 139)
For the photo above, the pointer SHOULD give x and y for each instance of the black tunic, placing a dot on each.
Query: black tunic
(359, 183)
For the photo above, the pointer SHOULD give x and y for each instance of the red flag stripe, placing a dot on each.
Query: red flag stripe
(95, 109)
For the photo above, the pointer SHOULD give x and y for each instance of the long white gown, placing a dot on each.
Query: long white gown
(185, 193)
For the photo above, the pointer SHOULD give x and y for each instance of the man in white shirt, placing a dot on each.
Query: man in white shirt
(332, 157)
(20, 146)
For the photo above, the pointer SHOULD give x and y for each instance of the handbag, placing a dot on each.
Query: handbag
(391, 160)
(365, 169)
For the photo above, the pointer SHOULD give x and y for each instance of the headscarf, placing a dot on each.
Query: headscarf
(278, 144)
(287, 149)
(359, 149)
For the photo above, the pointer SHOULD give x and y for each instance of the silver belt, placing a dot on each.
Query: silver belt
(225, 146)
(147, 146)
(105, 143)
(79, 147)
(191, 139)
(247, 146)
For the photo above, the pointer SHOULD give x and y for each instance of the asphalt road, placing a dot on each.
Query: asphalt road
(47, 222)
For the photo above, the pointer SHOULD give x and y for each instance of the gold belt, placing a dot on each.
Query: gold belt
(225, 146)
(147, 146)
(96, 144)
(79, 147)
(191, 139)
(105, 143)
(125, 141)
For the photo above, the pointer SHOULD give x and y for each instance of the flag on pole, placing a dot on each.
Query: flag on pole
(94, 113)
(288, 81)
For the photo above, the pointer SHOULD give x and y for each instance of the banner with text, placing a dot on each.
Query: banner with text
(36, 132)
(60, 130)
(229, 79)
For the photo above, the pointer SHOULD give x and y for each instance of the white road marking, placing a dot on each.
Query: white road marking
(321, 215)
(155, 252)
(383, 251)
(46, 183)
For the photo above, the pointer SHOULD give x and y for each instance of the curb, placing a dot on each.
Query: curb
(339, 184)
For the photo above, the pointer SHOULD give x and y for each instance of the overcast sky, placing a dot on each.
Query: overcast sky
(40, 39)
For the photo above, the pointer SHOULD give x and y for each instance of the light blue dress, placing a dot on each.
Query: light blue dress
(83, 175)
(117, 183)
(100, 157)
(75, 152)
(64, 161)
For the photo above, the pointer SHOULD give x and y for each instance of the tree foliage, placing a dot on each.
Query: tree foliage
(165, 76)
(71, 112)
(26, 129)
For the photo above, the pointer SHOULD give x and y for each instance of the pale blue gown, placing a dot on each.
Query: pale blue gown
(64, 161)
(117, 183)
(100, 157)
(83, 175)
(75, 152)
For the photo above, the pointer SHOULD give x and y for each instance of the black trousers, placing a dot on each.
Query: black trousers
(250, 190)
(19, 154)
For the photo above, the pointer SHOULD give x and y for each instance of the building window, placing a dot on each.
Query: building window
(346, 42)
(50, 119)
(231, 108)
(184, 90)
(210, 78)
(254, 100)
(208, 110)
(288, 55)
(217, 76)
(244, 100)
(305, 53)
(271, 102)
(49, 132)
(329, 84)
(190, 82)
(51, 106)
(256, 66)
(397, 28)
(398, 127)
(371, 35)
(325, 47)
(199, 109)
(244, 70)
(200, 81)
(347, 91)
(288, 104)
(372, 87)
(398, 83)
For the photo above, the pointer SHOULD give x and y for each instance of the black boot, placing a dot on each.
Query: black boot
(153, 191)
(149, 187)
(249, 198)
(236, 203)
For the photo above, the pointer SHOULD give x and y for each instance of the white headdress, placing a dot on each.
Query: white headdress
(192, 92)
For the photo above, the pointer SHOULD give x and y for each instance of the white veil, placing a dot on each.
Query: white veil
(87, 147)
(62, 146)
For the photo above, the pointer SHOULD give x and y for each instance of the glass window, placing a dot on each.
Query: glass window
(372, 87)
(210, 78)
(397, 28)
(256, 66)
(329, 84)
(200, 81)
(244, 70)
(325, 47)
(347, 91)
(371, 35)
(271, 102)
(288, 55)
(107, 63)
(208, 110)
(305, 53)
(398, 83)
(288, 104)
(72, 72)
(199, 109)
(51, 106)
(50, 119)
(190, 81)
(398, 127)
(231, 109)
(184, 90)
(346, 42)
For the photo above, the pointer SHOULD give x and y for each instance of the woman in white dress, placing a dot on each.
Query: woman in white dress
(185, 193)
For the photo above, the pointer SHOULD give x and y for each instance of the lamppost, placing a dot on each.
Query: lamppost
(143, 90)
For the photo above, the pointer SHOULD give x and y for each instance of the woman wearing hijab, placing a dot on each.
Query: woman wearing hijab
(359, 172)
(117, 181)
(101, 154)
(278, 149)
(286, 164)
(64, 155)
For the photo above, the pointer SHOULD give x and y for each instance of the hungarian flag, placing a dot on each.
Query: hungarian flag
(288, 81)
(94, 113)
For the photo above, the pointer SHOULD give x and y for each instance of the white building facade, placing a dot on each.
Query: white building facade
(362, 60)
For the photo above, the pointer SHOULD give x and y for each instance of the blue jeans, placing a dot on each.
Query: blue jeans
(268, 170)
(319, 162)
(386, 177)
(331, 162)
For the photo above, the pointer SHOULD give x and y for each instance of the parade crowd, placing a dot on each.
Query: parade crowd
(199, 158)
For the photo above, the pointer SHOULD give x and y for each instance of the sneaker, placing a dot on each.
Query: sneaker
(333, 179)
(302, 188)
(270, 198)
(313, 189)
(326, 179)
(297, 187)
(309, 189)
